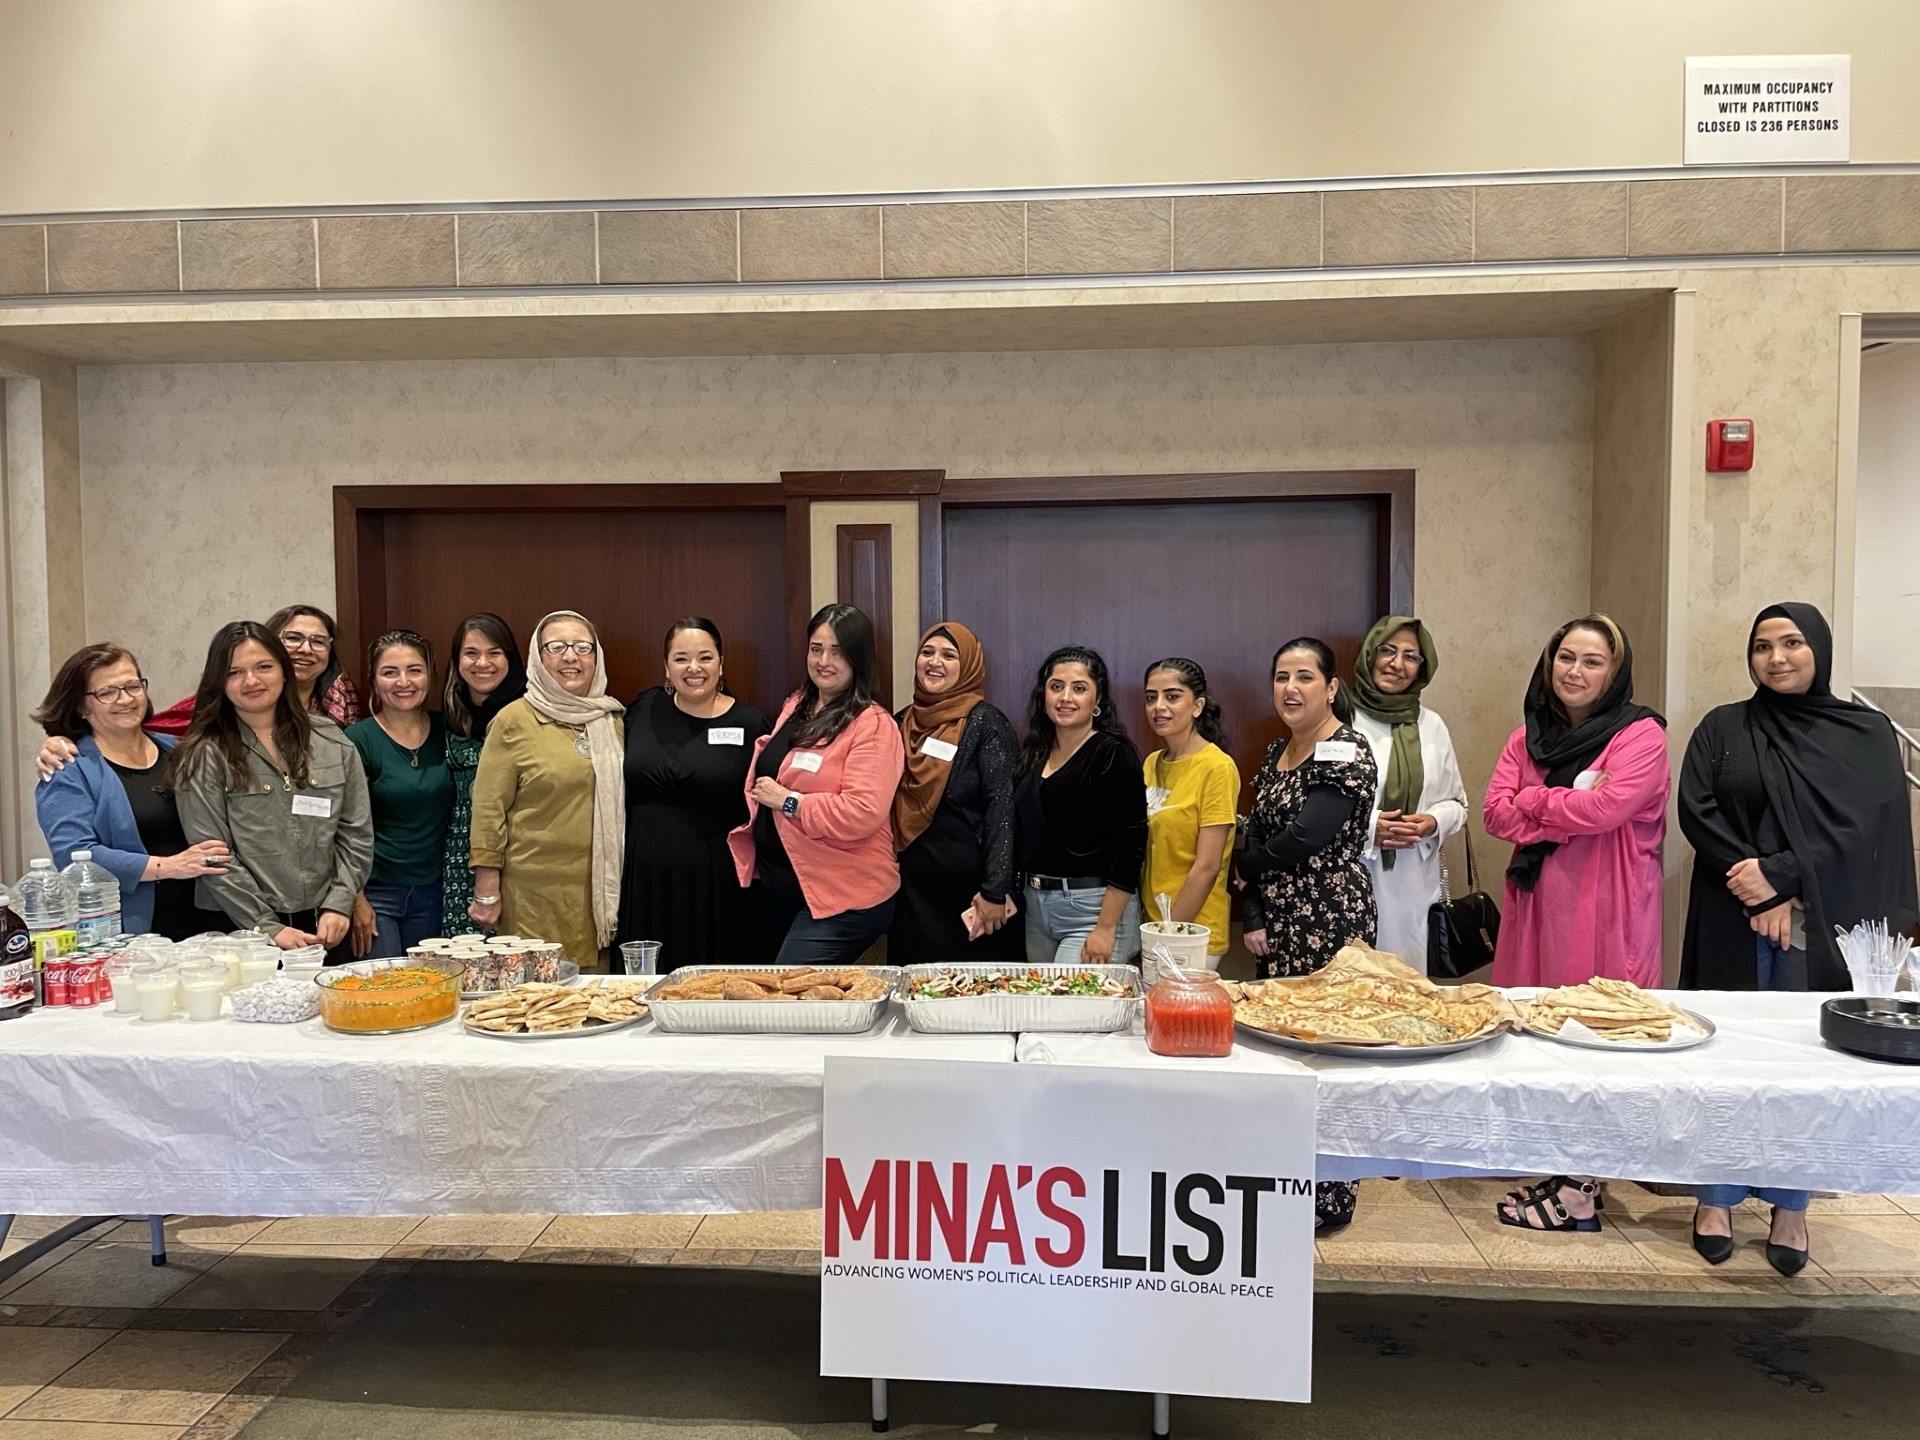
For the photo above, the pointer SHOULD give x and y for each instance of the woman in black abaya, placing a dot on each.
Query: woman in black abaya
(1795, 802)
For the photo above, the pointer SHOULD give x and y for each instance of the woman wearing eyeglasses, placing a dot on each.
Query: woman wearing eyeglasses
(113, 799)
(1422, 799)
(549, 800)
(307, 635)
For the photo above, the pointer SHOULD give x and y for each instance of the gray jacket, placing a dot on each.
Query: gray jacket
(286, 861)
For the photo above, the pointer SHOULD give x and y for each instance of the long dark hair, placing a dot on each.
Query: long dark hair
(64, 711)
(1208, 722)
(395, 639)
(329, 672)
(215, 734)
(1040, 732)
(853, 632)
(456, 701)
(1323, 658)
(706, 627)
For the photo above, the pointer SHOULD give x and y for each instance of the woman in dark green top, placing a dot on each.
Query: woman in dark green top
(484, 676)
(403, 748)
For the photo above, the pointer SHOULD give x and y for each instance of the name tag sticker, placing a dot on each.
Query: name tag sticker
(804, 760)
(318, 806)
(939, 749)
(1343, 750)
(727, 735)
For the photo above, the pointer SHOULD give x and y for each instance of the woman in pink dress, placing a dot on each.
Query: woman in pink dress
(1581, 791)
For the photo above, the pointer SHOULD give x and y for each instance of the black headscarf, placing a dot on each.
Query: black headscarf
(1565, 751)
(504, 694)
(1836, 788)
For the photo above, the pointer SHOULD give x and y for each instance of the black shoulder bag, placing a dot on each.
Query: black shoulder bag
(1461, 933)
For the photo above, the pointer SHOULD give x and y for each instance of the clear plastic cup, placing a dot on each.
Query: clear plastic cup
(120, 970)
(155, 988)
(641, 957)
(204, 982)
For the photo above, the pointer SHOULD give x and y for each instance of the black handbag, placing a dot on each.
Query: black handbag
(1461, 933)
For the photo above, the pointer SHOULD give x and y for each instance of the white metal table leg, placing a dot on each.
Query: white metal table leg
(1162, 1417)
(879, 1407)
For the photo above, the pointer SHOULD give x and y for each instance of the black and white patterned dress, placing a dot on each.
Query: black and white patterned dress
(1312, 908)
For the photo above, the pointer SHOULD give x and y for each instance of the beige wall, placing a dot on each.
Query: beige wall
(128, 104)
(193, 474)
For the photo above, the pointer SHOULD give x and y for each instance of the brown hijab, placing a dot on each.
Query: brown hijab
(935, 717)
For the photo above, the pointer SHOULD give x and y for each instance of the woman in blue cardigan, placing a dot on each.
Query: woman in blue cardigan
(113, 799)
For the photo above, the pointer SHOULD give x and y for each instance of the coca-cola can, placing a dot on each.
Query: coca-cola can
(83, 981)
(58, 975)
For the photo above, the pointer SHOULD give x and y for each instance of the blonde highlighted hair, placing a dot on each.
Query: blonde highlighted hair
(1605, 626)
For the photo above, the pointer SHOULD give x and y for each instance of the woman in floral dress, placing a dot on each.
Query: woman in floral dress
(1307, 888)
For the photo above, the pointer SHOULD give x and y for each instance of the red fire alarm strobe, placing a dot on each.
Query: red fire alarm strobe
(1729, 445)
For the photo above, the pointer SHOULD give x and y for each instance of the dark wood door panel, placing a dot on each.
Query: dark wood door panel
(632, 572)
(1222, 582)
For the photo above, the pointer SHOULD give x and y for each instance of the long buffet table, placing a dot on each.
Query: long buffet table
(104, 1114)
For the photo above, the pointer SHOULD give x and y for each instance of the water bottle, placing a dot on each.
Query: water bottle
(97, 899)
(46, 899)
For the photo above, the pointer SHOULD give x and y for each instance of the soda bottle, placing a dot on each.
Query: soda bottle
(16, 962)
(97, 897)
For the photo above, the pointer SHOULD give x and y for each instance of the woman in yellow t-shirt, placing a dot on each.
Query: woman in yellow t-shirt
(1193, 788)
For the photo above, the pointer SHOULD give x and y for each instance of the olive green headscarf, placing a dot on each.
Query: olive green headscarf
(1406, 775)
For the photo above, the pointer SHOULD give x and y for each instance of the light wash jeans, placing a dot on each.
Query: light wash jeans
(1731, 1195)
(1059, 921)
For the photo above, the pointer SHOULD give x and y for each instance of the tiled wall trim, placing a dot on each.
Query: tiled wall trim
(1495, 223)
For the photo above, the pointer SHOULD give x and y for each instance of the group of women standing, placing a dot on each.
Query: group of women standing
(531, 801)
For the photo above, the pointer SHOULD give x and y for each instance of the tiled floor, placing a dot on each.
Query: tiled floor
(103, 1345)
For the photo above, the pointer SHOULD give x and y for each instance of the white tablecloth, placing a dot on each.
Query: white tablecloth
(101, 1114)
(1764, 1102)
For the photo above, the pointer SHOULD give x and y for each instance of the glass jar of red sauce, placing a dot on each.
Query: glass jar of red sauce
(1189, 1016)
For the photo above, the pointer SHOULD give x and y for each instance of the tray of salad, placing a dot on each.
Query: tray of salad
(1008, 999)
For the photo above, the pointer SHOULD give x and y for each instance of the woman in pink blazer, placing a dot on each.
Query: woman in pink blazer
(1581, 791)
(820, 792)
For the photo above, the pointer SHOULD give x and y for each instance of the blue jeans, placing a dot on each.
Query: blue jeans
(1728, 1196)
(1777, 967)
(837, 940)
(1059, 921)
(406, 915)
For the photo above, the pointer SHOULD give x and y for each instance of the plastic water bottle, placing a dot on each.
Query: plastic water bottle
(97, 899)
(46, 899)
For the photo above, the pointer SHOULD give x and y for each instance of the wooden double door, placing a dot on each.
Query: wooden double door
(1218, 568)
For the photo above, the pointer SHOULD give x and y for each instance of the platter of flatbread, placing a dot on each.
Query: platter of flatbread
(1368, 1004)
(1606, 1014)
(558, 1012)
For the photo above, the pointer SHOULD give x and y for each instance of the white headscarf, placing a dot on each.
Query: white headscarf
(595, 711)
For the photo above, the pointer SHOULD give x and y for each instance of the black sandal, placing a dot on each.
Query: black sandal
(1551, 1186)
(1544, 1213)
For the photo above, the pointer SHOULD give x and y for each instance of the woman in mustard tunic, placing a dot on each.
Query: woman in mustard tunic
(549, 800)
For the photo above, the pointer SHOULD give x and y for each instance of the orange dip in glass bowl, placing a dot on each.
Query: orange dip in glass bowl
(386, 997)
(1193, 1016)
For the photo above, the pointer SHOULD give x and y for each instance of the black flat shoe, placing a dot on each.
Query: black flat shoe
(1714, 1249)
(1784, 1258)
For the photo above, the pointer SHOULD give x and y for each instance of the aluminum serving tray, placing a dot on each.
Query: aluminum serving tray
(1012, 1014)
(768, 1017)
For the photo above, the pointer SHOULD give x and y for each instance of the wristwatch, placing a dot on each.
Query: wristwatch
(790, 806)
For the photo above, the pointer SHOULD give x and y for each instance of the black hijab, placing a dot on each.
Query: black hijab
(1836, 788)
(1566, 750)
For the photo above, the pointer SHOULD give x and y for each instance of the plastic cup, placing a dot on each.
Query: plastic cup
(641, 957)
(1185, 942)
(120, 977)
(255, 967)
(205, 982)
(154, 988)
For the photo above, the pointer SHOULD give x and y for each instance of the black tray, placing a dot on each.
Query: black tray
(1879, 1028)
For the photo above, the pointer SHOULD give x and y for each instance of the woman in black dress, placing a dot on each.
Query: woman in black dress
(1308, 888)
(953, 813)
(1796, 808)
(688, 747)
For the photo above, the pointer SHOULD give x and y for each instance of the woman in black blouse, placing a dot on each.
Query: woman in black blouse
(953, 813)
(1309, 891)
(688, 747)
(1082, 813)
